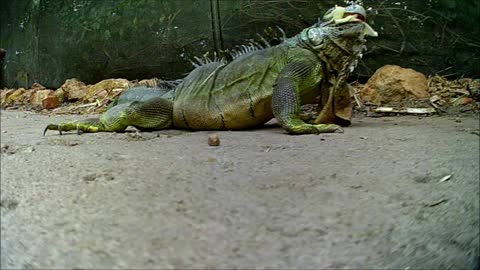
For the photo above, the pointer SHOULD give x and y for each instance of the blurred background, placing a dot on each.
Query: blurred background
(49, 41)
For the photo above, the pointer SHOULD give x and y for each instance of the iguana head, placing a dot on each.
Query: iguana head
(340, 40)
(338, 13)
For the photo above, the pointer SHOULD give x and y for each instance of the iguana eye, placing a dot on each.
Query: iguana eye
(315, 36)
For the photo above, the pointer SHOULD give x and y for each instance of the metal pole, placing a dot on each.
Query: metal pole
(216, 26)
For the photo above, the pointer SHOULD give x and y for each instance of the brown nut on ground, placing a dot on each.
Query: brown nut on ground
(213, 139)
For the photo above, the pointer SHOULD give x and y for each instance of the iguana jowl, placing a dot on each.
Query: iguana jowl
(249, 90)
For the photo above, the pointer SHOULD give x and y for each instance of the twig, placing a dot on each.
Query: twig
(355, 96)
(86, 105)
(437, 203)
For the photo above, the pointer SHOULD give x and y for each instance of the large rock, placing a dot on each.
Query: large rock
(392, 83)
(16, 96)
(36, 86)
(474, 89)
(38, 96)
(61, 95)
(50, 102)
(105, 87)
(74, 90)
(4, 94)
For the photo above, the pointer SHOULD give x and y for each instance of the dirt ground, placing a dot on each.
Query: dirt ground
(368, 198)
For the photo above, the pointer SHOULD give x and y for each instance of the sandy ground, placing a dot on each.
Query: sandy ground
(368, 198)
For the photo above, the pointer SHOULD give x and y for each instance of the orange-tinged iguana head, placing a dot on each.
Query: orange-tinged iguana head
(340, 40)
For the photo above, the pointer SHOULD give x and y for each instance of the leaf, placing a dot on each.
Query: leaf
(446, 178)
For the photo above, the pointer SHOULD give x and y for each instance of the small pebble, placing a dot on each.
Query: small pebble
(89, 177)
(108, 177)
(213, 139)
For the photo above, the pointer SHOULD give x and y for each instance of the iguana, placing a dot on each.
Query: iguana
(259, 84)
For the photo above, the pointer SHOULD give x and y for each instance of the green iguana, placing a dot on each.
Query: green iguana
(257, 85)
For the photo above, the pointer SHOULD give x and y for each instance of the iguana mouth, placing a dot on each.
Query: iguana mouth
(359, 16)
(368, 30)
(344, 15)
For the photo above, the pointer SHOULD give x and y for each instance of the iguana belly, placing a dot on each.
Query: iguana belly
(217, 114)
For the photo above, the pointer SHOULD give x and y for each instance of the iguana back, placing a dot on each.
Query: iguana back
(235, 95)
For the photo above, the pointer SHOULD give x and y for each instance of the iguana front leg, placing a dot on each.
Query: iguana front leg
(286, 100)
(87, 125)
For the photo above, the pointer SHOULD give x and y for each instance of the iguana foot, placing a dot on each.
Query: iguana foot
(300, 127)
(88, 125)
(308, 117)
(329, 128)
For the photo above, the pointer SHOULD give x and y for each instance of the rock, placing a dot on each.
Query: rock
(89, 177)
(61, 95)
(26, 98)
(213, 139)
(51, 102)
(462, 101)
(8, 204)
(4, 147)
(137, 136)
(474, 89)
(4, 94)
(74, 90)
(437, 101)
(368, 94)
(37, 86)
(38, 96)
(109, 86)
(392, 83)
(102, 94)
(8, 149)
(98, 177)
(29, 149)
(16, 96)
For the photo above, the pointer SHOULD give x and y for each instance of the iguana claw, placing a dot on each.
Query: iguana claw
(79, 131)
(52, 127)
(87, 125)
(338, 130)
(329, 128)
